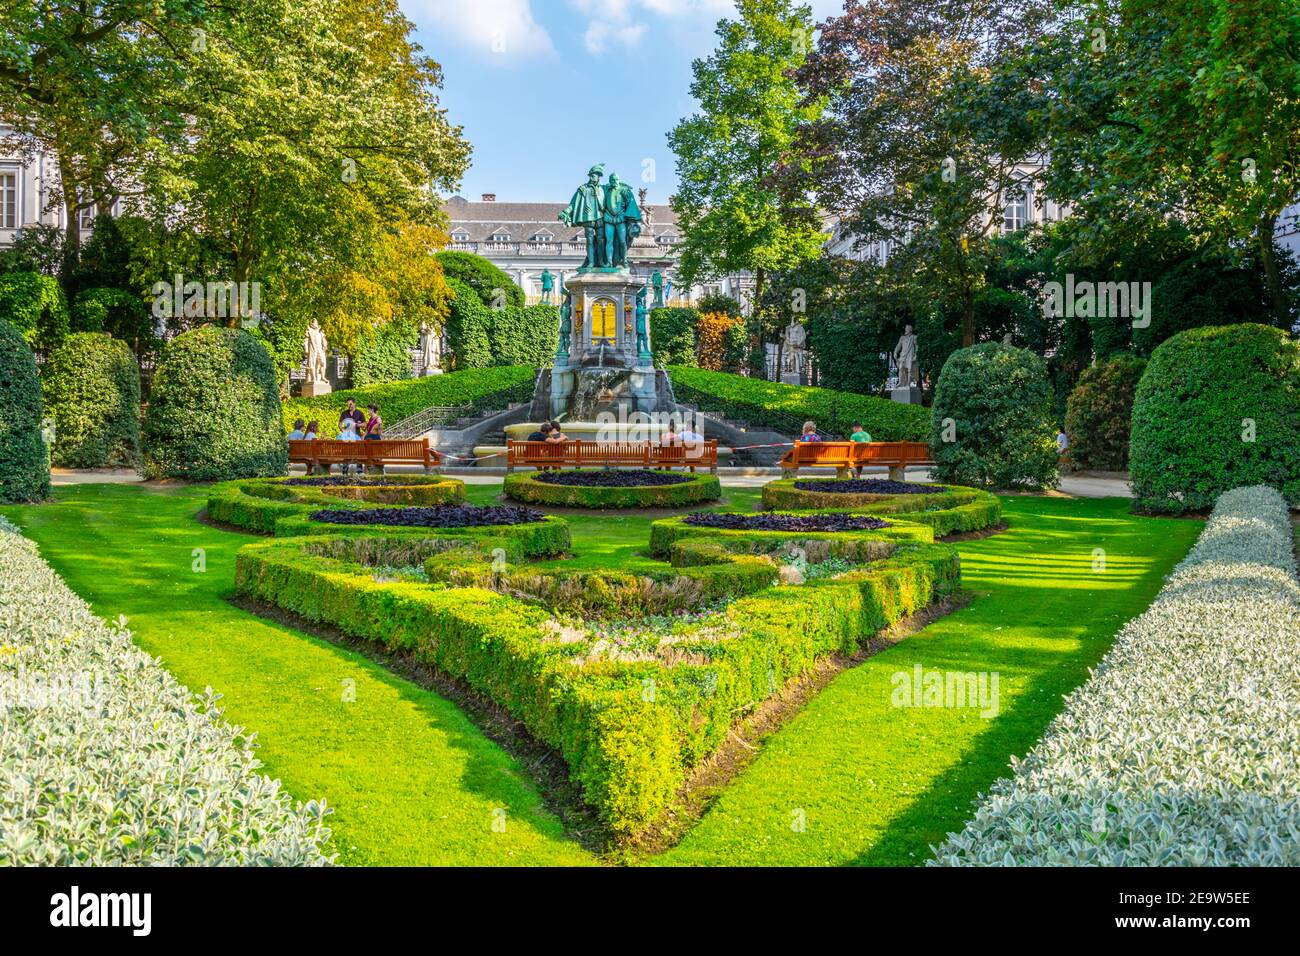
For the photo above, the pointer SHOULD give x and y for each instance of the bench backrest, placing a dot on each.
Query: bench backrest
(824, 452)
(384, 449)
(627, 453)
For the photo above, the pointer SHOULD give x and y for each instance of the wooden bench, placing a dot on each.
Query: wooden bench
(322, 453)
(848, 456)
(610, 454)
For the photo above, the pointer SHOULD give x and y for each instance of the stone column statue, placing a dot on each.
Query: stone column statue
(566, 323)
(642, 325)
(315, 351)
(587, 209)
(430, 350)
(909, 373)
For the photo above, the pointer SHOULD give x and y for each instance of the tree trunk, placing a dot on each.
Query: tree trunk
(967, 320)
(1273, 279)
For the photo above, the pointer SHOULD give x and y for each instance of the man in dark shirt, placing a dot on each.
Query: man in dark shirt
(543, 430)
(354, 413)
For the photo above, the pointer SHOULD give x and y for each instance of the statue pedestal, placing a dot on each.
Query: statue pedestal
(316, 389)
(910, 395)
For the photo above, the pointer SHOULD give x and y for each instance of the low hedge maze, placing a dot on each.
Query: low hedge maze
(633, 678)
(542, 488)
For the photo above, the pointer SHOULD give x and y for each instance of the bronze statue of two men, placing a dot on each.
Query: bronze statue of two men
(610, 217)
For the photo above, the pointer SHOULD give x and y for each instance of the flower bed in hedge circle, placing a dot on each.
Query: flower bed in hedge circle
(609, 488)
(869, 486)
(785, 522)
(258, 503)
(949, 509)
(448, 516)
(613, 478)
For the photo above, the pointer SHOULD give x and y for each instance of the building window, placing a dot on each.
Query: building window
(460, 237)
(1015, 216)
(500, 237)
(604, 320)
(86, 219)
(8, 200)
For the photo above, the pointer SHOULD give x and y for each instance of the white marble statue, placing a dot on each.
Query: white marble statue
(909, 373)
(315, 349)
(796, 346)
(430, 350)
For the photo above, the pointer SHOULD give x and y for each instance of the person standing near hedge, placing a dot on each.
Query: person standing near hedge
(352, 414)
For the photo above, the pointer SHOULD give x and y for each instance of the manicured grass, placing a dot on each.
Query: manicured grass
(411, 779)
(876, 784)
(414, 782)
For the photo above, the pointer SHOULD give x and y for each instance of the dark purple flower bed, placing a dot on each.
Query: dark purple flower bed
(869, 486)
(442, 516)
(344, 481)
(778, 522)
(609, 478)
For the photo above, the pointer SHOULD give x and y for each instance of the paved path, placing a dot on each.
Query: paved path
(1082, 485)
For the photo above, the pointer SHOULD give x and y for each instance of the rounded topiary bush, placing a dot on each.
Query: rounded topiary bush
(92, 391)
(24, 457)
(1218, 408)
(214, 410)
(992, 424)
(1099, 413)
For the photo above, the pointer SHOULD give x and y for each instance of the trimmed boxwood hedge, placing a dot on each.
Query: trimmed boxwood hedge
(253, 504)
(1217, 408)
(116, 762)
(1099, 413)
(956, 510)
(24, 456)
(397, 400)
(699, 488)
(609, 593)
(784, 407)
(214, 409)
(993, 422)
(92, 390)
(1180, 749)
(630, 723)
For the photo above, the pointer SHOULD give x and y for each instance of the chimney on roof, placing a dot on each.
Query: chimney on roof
(489, 197)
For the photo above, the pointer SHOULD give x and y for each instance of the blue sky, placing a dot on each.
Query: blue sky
(546, 88)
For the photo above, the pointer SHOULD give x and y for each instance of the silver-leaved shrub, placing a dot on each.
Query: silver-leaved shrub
(105, 758)
(1183, 748)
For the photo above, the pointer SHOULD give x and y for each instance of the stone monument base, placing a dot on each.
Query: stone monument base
(316, 389)
(910, 395)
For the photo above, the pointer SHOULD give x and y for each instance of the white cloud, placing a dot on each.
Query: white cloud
(504, 30)
(601, 34)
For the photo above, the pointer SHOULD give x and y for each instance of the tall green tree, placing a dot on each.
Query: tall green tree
(1189, 110)
(733, 215)
(100, 85)
(898, 155)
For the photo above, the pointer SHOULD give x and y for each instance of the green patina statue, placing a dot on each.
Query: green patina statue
(610, 217)
(566, 320)
(548, 285)
(587, 209)
(657, 280)
(622, 221)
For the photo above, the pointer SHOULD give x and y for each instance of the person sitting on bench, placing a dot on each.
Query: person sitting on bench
(810, 432)
(861, 436)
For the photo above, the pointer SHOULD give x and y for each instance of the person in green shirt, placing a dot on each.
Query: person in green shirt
(859, 435)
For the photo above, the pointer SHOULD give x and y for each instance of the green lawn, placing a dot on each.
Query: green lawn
(875, 784)
(411, 779)
(414, 782)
